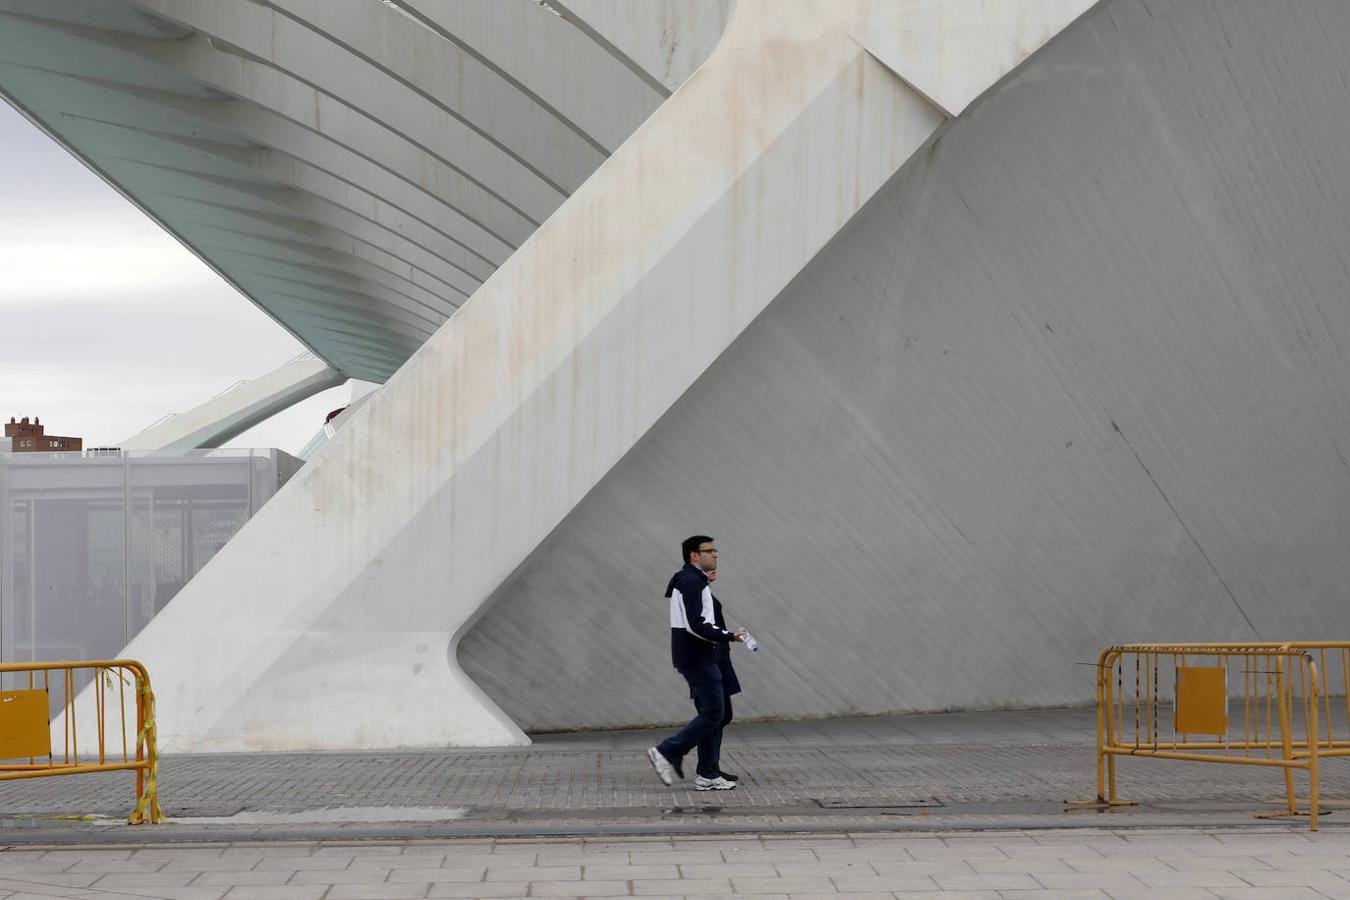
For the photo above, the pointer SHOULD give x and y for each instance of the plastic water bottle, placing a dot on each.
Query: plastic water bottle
(751, 643)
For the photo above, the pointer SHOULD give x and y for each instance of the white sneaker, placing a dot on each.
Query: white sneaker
(713, 784)
(664, 770)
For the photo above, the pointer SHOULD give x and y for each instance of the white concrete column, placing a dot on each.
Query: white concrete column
(238, 409)
(331, 620)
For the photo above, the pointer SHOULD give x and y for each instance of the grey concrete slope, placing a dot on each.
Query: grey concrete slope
(1077, 376)
(356, 169)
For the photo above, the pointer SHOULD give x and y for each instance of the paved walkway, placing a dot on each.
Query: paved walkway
(1157, 864)
(960, 770)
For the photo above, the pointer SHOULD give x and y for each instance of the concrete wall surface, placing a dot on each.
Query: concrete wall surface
(333, 618)
(1077, 376)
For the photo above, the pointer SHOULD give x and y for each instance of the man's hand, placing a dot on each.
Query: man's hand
(741, 633)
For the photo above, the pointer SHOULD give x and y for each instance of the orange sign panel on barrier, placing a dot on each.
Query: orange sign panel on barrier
(1202, 700)
(24, 730)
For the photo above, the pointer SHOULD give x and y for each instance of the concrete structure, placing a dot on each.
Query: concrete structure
(1074, 377)
(358, 170)
(337, 419)
(1068, 377)
(238, 409)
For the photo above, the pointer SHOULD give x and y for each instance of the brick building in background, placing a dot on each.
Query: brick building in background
(28, 437)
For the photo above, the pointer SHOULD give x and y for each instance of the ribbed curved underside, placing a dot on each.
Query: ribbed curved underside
(355, 169)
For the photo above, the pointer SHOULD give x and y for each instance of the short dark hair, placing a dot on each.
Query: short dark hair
(690, 545)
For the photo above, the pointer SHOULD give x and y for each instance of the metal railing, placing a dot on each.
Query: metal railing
(121, 742)
(1254, 704)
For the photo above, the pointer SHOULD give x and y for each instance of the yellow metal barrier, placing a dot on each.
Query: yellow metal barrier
(1188, 702)
(26, 731)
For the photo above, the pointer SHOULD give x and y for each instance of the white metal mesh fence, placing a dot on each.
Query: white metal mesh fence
(93, 545)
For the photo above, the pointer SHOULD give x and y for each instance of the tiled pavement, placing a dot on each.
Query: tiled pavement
(917, 806)
(959, 770)
(1156, 864)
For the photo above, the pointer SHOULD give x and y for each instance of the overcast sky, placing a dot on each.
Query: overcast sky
(106, 322)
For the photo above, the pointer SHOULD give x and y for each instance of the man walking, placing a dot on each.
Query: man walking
(730, 683)
(695, 637)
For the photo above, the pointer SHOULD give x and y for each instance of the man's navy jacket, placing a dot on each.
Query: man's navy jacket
(698, 634)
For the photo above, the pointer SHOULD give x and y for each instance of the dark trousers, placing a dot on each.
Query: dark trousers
(704, 731)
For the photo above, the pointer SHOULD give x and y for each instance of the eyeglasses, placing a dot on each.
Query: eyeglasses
(706, 550)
